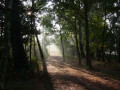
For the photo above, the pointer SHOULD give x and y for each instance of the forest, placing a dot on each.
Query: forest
(59, 44)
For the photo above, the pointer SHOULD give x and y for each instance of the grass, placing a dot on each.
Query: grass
(70, 57)
(111, 69)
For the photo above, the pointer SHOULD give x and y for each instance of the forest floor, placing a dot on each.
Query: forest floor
(70, 76)
(61, 75)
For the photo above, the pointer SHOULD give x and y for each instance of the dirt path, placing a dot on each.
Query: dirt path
(67, 76)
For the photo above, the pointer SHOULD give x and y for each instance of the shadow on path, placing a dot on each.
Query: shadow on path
(67, 74)
(72, 64)
(31, 79)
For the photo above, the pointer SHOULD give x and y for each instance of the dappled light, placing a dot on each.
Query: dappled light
(67, 75)
(59, 45)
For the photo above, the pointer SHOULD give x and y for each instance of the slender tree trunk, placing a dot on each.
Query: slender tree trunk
(80, 42)
(103, 34)
(33, 21)
(110, 53)
(1, 25)
(40, 49)
(119, 52)
(116, 50)
(88, 59)
(39, 46)
(61, 39)
(78, 52)
(31, 29)
(73, 49)
(42, 56)
(73, 52)
(80, 34)
(30, 48)
(34, 48)
(98, 54)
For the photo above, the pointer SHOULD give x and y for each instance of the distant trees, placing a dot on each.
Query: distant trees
(98, 24)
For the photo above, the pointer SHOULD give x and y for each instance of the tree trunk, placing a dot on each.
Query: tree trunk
(80, 42)
(1, 25)
(103, 35)
(78, 52)
(107, 58)
(19, 54)
(39, 46)
(6, 50)
(98, 54)
(30, 48)
(119, 52)
(31, 29)
(34, 48)
(41, 53)
(61, 39)
(73, 53)
(88, 59)
(110, 53)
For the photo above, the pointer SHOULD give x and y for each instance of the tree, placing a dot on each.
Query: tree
(6, 50)
(88, 58)
(19, 54)
(61, 39)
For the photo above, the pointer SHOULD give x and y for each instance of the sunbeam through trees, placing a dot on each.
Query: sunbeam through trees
(59, 44)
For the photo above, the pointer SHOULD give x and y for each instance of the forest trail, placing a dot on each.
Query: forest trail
(68, 76)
